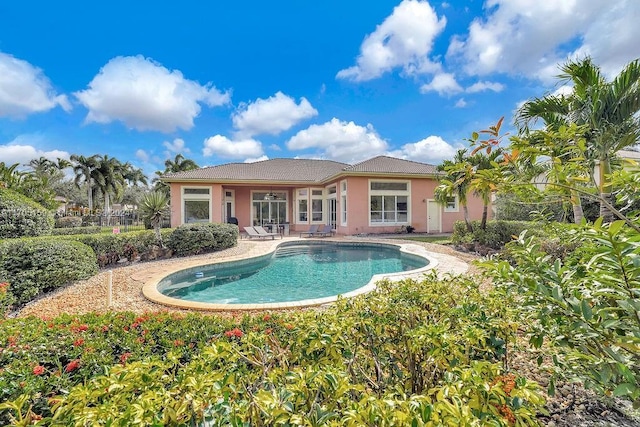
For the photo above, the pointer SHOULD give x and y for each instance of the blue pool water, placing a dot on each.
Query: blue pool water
(294, 272)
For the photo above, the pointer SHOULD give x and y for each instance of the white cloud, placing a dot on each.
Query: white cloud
(432, 149)
(272, 115)
(257, 159)
(339, 140)
(443, 83)
(146, 96)
(176, 146)
(529, 37)
(404, 39)
(483, 86)
(226, 148)
(142, 155)
(461, 103)
(21, 151)
(563, 90)
(24, 89)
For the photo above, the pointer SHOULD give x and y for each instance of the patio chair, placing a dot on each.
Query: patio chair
(326, 230)
(251, 233)
(261, 231)
(312, 230)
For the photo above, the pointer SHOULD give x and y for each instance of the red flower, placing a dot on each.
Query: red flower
(38, 370)
(178, 343)
(72, 366)
(124, 357)
(105, 328)
(268, 331)
(3, 288)
(235, 332)
(266, 317)
(79, 328)
(78, 342)
(289, 326)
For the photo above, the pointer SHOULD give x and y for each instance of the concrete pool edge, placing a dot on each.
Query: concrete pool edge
(151, 292)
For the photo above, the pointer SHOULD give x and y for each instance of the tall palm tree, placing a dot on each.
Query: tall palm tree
(84, 169)
(133, 175)
(456, 182)
(608, 110)
(179, 164)
(109, 178)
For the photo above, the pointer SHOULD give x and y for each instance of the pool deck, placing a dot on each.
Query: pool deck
(441, 263)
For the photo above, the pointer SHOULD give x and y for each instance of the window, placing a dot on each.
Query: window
(196, 204)
(389, 202)
(302, 205)
(317, 206)
(452, 204)
(343, 202)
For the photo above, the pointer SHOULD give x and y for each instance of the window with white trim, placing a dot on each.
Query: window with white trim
(317, 206)
(196, 204)
(302, 206)
(343, 202)
(452, 204)
(389, 202)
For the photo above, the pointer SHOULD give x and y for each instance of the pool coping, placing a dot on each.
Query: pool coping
(150, 287)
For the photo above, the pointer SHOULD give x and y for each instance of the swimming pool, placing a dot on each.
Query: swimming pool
(296, 274)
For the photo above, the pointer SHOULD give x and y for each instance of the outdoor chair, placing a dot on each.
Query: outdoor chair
(326, 230)
(261, 231)
(312, 230)
(251, 233)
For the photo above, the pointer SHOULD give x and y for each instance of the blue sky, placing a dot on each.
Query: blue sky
(239, 81)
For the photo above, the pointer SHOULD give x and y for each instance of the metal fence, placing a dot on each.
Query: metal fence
(123, 221)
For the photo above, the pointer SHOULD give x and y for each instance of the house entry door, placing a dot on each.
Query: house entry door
(433, 217)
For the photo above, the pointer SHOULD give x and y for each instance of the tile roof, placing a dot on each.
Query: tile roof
(392, 165)
(275, 170)
(301, 170)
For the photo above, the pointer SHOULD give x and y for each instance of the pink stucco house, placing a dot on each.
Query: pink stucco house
(379, 195)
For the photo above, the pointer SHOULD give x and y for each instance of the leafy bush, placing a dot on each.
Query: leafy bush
(192, 239)
(68, 222)
(495, 236)
(21, 216)
(37, 265)
(586, 305)
(411, 353)
(75, 230)
(110, 248)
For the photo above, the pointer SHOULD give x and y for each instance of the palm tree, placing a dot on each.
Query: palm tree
(84, 169)
(134, 175)
(608, 109)
(153, 207)
(179, 164)
(456, 182)
(109, 178)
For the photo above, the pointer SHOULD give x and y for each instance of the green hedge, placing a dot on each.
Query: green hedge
(34, 265)
(110, 248)
(75, 230)
(69, 222)
(193, 239)
(495, 236)
(22, 217)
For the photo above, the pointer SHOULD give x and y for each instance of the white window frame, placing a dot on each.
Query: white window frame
(195, 197)
(455, 207)
(298, 198)
(285, 199)
(343, 202)
(406, 193)
(321, 198)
